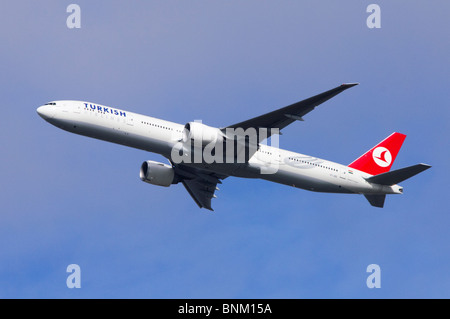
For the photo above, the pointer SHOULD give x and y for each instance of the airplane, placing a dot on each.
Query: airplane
(200, 156)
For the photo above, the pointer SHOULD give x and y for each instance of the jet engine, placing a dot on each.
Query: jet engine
(157, 173)
(198, 132)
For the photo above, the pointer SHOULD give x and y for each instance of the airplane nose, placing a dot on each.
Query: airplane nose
(45, 111)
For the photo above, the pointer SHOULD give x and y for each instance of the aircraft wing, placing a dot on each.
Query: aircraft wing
(282, 117)
(200, 184)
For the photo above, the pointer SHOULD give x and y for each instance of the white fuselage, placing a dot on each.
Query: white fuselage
(159, 136)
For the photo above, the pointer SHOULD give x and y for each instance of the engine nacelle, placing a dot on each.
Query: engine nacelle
(196, 132)
(157, 173)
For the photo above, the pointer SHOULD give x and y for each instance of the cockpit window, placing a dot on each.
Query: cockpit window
(51, 103)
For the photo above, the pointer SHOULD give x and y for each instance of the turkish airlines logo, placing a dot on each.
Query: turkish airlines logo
(382, 156)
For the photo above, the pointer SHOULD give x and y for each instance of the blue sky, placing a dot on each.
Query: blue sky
(67, 199)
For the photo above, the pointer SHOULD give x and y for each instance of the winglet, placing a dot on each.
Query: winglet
(349, 85)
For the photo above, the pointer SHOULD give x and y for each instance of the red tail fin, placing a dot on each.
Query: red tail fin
(380, 158)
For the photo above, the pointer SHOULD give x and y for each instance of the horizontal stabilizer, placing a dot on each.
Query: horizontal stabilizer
(397, 176)
(376, 200)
